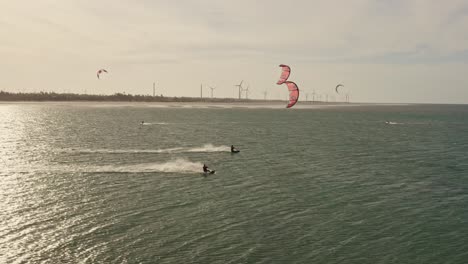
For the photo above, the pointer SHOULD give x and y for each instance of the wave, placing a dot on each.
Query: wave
(204, 148)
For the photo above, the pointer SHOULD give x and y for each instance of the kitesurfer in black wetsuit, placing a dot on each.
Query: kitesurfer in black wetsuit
(205, 168)
(233, 149)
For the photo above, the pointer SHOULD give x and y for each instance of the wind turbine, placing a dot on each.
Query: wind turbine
(265, 95)
(212, 88)
(247, 91)
(201, 91)
(240, 88)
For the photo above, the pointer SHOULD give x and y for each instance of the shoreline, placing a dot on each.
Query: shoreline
(123, 98)
(251, 104)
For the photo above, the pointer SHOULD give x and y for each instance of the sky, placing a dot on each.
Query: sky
(400, 51)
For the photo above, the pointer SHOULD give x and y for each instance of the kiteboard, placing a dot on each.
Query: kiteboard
(235, 151)
(209, 172)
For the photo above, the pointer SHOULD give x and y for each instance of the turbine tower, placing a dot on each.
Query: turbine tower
(240, 88)
(212, 88)
(201, 91)
(246, 90)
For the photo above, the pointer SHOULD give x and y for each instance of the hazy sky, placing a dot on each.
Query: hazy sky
(381, 50)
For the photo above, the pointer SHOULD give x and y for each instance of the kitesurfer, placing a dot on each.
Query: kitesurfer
(233, 149)
(142, 123)
(207, 171)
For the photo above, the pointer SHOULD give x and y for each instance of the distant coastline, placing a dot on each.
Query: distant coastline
(124, 97)
(117, 97)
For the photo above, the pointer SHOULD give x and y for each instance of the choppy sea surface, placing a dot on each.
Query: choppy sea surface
(87, 183)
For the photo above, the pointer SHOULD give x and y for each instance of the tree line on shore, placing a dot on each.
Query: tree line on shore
(117, 97)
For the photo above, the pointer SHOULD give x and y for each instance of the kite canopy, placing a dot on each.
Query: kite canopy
(336, 88)
(100, 71)
(293, 93)
(286, 71)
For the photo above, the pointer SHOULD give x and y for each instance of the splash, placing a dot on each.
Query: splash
(179, 165)
(124, 151)
(204, 148)
(393, 123)
(173, 166)
(151, 124)
(210, 148)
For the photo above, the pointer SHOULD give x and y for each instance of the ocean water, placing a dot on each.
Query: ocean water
(86, 183)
